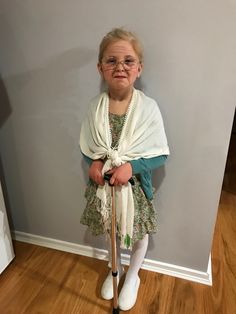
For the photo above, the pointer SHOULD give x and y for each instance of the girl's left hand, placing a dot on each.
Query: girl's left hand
(121, 174)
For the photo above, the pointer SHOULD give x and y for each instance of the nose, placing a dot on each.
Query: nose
(120, 66)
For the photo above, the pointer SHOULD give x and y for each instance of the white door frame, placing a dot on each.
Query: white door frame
(6, 249)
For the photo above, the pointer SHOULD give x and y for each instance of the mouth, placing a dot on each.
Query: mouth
(120, 76)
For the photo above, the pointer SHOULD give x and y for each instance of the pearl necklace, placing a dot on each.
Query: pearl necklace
(128, 113)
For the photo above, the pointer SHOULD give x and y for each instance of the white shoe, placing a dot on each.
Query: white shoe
(128, 295)
(107, 287)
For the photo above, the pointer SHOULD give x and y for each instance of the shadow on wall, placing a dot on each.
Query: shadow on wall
(5, 112)
(53, 86)
(5, 195)
(158, 176)
(5, 108)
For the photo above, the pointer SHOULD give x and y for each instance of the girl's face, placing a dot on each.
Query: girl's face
(120, 65)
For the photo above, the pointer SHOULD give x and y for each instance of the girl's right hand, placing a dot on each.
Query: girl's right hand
(95, 172)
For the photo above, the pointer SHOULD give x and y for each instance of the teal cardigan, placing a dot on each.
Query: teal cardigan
(143, 167)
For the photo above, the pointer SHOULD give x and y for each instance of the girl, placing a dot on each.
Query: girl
(123, 135)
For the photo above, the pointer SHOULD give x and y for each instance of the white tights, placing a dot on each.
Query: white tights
(137, 256)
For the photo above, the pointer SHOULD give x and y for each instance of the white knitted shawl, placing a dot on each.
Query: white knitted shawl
(142, 136)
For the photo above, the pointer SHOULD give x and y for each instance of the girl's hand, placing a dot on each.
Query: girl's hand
(95, 172)
(121, 174)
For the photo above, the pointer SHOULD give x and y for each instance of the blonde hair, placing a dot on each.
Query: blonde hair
(120, 34)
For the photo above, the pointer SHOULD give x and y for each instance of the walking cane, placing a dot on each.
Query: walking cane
(116, 309)
(114, 270)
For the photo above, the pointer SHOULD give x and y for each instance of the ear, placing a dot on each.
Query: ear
(140, 69)
(99, 66)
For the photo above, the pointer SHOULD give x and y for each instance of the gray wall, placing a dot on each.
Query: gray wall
(48, 67)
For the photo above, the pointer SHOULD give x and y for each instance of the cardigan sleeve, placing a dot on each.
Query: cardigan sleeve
(147, 164)
(87, 159)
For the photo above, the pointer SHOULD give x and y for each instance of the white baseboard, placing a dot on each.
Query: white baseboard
(148, 264)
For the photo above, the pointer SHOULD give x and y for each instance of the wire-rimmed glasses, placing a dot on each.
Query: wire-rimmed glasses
(128, 63)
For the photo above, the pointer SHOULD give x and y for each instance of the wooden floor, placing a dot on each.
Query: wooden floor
(42, 280)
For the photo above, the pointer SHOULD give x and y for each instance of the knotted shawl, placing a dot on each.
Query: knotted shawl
(142, 136)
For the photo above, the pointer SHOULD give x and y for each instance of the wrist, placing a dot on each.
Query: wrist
(98, 160)
(130, 167)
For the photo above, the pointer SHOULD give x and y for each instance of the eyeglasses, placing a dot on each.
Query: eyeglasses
(112, 63)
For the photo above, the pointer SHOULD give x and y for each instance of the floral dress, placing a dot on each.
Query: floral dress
(145, 217)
